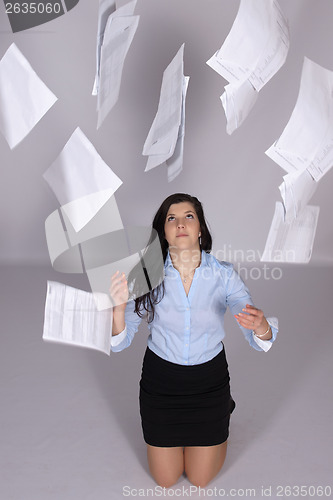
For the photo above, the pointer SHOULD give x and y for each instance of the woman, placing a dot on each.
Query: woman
(185, 401)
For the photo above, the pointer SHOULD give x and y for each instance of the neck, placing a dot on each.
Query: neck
(185, 260)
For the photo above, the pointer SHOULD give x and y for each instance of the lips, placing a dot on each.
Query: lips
(182, 234)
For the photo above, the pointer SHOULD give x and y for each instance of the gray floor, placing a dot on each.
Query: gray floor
(69, 420)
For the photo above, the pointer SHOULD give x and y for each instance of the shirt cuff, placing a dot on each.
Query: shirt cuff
(117, 339)
(264, 344)
(267, 344)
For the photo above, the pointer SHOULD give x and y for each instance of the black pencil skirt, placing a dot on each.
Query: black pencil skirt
(184, 405)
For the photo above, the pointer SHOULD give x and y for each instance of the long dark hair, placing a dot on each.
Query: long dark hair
(147, 301)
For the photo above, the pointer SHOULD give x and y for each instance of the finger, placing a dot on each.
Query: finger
(249, 316)
(249, 324)
(118, 275)
(247, 321)
(120, 295)
(247, 327)
(117, 287)
(118, 279)
(244, 325)
(251, 309)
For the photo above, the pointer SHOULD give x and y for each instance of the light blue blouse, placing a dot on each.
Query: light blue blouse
(189, 329)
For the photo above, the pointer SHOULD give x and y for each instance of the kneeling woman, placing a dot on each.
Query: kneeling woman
(185, 401)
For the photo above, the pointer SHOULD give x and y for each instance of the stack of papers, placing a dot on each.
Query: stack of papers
(165, 140)
(71, 317)
(81, 180)
(116, 30)
(24, 97)
(255, 49)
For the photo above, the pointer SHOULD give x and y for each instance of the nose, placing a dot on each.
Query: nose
(180, 224)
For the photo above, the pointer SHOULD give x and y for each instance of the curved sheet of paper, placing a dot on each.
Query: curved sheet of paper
(81, 180)
(175, 163)
(237, 101)
(296, 191)
(63, 241)
(291, 241)
(71, 317)
(164, 132)
(102, 248)
(307, 140)
(24, 98)
(255, 49)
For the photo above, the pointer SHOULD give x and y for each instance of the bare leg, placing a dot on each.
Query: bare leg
(202, 463)
(166, 465)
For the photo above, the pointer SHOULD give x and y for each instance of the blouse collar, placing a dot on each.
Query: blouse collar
(204, 263)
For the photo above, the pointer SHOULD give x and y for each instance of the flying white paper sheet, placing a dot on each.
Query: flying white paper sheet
(71, 317)
(175, 163)
(254, 50)
(81, 180)
(291, 242)
(167, 128)
(307, 140)
(237, 101)
(105, 9)
(116, 30)
(24, 98)
(117, 40)
(296, 190)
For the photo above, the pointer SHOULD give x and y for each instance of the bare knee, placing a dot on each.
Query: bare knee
(165, 479)
(201, 479)
(166, 482)
(166, 465)
(203, 464)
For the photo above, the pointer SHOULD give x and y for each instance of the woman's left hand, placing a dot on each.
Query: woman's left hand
(252, 318)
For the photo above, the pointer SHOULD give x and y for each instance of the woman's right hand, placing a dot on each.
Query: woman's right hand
(119, 290)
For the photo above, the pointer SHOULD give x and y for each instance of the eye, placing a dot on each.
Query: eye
(171, 218)
(190, 215)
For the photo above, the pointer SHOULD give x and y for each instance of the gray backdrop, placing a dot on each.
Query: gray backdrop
(69, 418)
(231, 175)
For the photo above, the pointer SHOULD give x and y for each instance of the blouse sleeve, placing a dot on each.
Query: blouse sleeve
(132, 321)
(237, 296)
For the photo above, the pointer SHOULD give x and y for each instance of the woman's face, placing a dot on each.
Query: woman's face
(182, 227)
